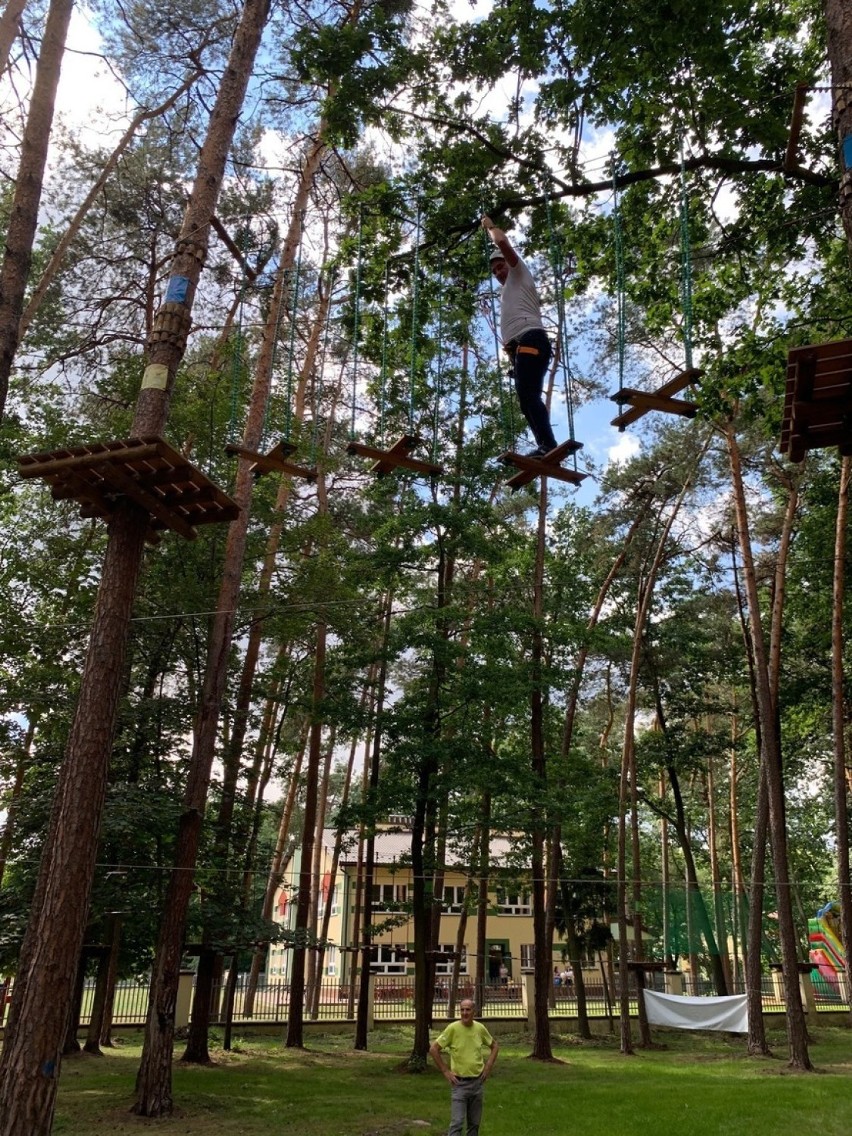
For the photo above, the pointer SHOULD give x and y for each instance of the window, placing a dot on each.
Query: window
(452, 899)
(527, 957)
(331, 961)
(386, 961)
(445, 966)
(335, 902)
(388, 897)
(513, 903)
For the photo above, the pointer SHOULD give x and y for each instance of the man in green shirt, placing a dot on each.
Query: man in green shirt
(472, 1052)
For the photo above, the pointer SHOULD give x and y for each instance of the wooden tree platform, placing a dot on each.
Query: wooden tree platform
(398, 456)
(818, 399)
(146, 470)
(640, 402)
(274, 461)
(545, 466)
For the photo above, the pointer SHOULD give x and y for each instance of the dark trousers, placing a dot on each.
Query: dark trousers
(530, 359)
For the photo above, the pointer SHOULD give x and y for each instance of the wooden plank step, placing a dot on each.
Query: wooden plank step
(398, 456)
(547, 465)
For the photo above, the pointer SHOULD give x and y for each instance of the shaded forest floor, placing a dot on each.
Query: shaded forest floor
(698, 1085)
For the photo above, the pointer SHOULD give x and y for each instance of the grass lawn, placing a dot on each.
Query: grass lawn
(699, 1085)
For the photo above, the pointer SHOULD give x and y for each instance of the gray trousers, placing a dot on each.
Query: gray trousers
(466, 1098)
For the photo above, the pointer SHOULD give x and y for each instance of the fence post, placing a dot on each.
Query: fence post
(528, 999)
(674, 982)
(371, 1002)
(184, 998)
(806, 987)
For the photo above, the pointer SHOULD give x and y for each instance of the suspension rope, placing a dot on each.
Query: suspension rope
(291, 351)
(685, 264)
(383, 375)
(557, 264)
(440, 364)
(356, 321)
(320, 371)
(621, 315)
(507, 409)
(415, 295)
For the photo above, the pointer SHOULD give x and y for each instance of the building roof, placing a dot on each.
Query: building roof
(394, 846)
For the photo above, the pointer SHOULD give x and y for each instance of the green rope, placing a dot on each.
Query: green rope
(621, 315)
(237, 355)
(356, 323)
(383, 375)
(557, 264)
(320, 371)
(415, 295)
(291, 351)
(507, 406)
(685, 265)
(236, 366)
(440, 368)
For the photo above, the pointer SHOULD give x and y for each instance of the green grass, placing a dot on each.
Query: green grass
(699, 1085)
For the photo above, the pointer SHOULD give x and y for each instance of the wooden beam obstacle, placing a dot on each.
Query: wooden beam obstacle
(548, 465)
(275, 460)
(397, 457)
(663, 399)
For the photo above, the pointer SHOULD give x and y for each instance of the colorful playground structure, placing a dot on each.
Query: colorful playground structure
(827, 953)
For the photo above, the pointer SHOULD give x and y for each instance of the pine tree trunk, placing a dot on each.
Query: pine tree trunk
(840, 719)
(23, 217)
(10, 25)
(44, 988)
(770, 758)
(29, 1065)
(295, 1021)
(838, 21)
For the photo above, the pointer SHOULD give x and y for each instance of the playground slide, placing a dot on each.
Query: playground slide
(826, 950)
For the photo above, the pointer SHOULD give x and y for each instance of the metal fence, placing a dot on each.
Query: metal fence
(393, 999)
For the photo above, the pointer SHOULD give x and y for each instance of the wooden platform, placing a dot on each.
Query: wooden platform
(147, 470)
(640, 402)
(398, 456)
(818, 399)
(274, 461)
(546, 466)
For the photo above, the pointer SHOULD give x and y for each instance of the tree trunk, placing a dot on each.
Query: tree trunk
(23, 217)
(280, 859)
(838, 20)
(366, 906)
(71, 1044)
(13, 800)
(840, 719)
(75, 224)
(197, 1050)
(770, 757)
(102, 1000)
(10, 25)
(625, 792)
(43, 991)
(295, 1021)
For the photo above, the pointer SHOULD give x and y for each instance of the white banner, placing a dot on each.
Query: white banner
(679, 1012)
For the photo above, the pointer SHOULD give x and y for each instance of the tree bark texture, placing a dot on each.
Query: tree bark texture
(839, 716)
(43, 992)
(295, 1019)
(838, 20)
(23, 218)
(770, 759)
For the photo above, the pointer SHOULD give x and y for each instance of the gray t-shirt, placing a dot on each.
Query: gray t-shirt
(520, 309)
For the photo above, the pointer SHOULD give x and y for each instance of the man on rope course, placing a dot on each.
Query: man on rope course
(524, 338)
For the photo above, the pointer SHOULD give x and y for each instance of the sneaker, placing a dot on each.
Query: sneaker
(538, 452)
